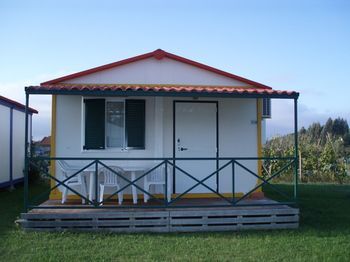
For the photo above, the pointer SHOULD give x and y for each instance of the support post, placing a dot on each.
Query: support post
(166, 184)
(233, 182)
(96, 183)
(296, 162)
(26, 160)
(11, 149)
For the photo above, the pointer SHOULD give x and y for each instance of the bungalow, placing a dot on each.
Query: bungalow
(163, 131)
(12, 141)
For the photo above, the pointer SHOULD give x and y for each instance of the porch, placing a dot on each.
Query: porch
(183, 212)
(188, 215)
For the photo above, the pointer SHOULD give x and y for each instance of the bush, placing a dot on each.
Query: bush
(323, 160)
(37, 169)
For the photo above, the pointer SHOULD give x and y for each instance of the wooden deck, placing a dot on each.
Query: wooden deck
(128, 218)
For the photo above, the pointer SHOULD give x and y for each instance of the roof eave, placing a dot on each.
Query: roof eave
(16, 105)
(42, 91)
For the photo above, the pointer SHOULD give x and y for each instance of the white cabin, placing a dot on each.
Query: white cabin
(162, 106)
(12, 126)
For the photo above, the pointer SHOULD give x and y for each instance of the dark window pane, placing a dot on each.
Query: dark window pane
(94, 124)
(135, 123)
(266, 108)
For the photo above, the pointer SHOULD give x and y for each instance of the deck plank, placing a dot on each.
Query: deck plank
(152, 219)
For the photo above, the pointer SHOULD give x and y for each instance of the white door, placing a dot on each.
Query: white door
(195, 136)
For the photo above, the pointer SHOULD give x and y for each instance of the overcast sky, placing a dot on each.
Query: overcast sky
(291, 45)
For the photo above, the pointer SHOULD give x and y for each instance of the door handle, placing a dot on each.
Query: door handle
(183, 148)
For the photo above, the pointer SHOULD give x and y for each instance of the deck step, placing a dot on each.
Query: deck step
(162, 220)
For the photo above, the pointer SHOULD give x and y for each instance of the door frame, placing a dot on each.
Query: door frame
(217, 136)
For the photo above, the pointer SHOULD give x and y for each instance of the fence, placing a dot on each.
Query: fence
(171, 169)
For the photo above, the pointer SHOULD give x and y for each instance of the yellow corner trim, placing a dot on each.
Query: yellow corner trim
(54, 193)
(259, 139)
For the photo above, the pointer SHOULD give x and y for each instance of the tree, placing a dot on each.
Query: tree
(346, 139)
(340, 127)
(314, 131)
(326, 129)
(323, 149)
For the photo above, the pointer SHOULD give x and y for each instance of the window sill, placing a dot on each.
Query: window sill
(112, 150)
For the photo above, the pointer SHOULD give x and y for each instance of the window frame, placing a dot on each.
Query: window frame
(126, 130)
(83, 122)
(125, 148)
(269, 114)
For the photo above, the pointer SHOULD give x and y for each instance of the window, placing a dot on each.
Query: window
(115, 128)
(114, 124)
(94, 124)
(266, 110)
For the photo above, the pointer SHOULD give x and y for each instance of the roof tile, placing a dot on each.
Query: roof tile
(161, 88)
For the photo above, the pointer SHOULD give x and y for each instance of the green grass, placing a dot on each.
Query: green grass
(324, 235)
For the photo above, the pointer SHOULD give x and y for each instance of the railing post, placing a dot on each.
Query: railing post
(233, 182)
(174, 178)
(296, 162)
(166, 184)
(26, 160)
(96, 183)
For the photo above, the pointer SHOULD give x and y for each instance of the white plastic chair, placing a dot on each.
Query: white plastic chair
(77, 180)
(111, 179)
(157, 177)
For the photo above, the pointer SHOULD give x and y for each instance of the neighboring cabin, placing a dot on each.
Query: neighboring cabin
(12, 127)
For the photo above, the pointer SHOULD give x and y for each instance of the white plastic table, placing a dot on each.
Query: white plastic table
(132, 170)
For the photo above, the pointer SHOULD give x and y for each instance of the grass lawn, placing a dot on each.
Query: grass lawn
(324, 235)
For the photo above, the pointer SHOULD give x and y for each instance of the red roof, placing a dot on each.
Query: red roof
(158, 54)
(11, 103)
(253, 87)
(46, 141)
(162, 88)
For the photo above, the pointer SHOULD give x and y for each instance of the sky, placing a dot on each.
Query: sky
(288, 45)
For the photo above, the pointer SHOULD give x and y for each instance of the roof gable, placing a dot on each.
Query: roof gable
(14, 104)
(165, 65)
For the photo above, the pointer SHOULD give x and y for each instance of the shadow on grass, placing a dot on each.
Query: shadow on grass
(323, 207)
(12, 203)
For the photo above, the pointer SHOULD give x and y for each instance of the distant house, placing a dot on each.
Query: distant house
(12, 127)
(42, 147)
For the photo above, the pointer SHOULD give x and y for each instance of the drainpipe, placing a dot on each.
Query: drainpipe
(26, 160)
(296, 150)
(11, 149)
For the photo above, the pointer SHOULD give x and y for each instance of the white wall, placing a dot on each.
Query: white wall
(237, 138)
(153, 71)
(237, 117)
(69, 130)
(4, 144)
(18, 143)
(263, 131)
(17, 146)
(237, 134)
